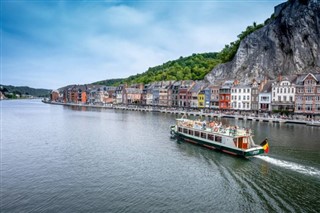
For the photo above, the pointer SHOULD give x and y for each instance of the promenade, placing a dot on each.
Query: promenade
(200, 113)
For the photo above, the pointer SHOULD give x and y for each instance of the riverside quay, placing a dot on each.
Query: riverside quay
(297, 95)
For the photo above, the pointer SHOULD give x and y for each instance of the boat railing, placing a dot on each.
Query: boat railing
(229, 131)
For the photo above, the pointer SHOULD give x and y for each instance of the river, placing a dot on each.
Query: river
(74, 159)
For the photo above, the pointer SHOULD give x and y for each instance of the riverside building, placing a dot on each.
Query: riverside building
(265, 97)
(241, 97)
(308, 95)
(283, 93)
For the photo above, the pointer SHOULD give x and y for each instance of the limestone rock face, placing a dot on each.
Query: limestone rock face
(288, 44)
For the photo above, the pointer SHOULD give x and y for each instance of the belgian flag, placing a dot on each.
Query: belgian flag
(265, 145)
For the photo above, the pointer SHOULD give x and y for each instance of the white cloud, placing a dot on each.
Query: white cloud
(52, 44)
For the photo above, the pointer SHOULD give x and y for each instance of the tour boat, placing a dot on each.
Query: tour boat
(230, 139)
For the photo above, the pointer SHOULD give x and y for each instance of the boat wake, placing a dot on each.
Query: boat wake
(291, 166)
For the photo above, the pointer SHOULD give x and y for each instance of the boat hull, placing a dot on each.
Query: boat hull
(215, 146)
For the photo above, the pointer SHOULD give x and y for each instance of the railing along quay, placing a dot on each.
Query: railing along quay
(194, 113)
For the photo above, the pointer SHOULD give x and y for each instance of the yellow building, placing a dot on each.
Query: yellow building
(201, 99)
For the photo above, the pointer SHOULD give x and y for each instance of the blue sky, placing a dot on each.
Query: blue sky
(50, 44)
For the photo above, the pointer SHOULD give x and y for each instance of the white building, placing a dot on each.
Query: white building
(241, 97)
(265, 97)
(283, 93)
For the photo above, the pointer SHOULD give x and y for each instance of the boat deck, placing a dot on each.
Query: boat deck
(214, 127)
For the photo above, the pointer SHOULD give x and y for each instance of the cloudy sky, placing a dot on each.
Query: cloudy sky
(50, 44)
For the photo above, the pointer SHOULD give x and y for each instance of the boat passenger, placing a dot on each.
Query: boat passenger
(204, 125)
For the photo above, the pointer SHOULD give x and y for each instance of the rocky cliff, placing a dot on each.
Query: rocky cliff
(288, 44)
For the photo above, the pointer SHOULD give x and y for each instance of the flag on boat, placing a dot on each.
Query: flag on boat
(265, 145)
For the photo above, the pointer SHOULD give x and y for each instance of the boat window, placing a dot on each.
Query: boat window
(196, 133)
(210, 137)
(179, 129)
(218, 139)
(203, 135)
(235, 142)
(185, 131)
(190, 132)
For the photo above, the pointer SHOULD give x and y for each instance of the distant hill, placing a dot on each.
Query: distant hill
(24, 90)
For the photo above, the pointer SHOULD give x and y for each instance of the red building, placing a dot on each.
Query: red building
(183, 93)
(225, 94)
(54, 96)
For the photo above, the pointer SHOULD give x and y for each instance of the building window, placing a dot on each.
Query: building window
(244, 98)
(309, 107)
(299, 107)
(309, 98)
(203, 135)
(248, 97)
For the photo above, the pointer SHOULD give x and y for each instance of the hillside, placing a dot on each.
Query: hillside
(289, 43)
(194, 67)
(24, 90)
(110, 82)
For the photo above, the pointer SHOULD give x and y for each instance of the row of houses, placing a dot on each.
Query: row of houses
(295, 93)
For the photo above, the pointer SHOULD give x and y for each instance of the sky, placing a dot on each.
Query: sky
(51, 44)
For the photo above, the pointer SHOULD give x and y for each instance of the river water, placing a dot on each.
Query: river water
(73, 159)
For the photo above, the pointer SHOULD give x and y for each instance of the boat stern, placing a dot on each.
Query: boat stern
(253, 152)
